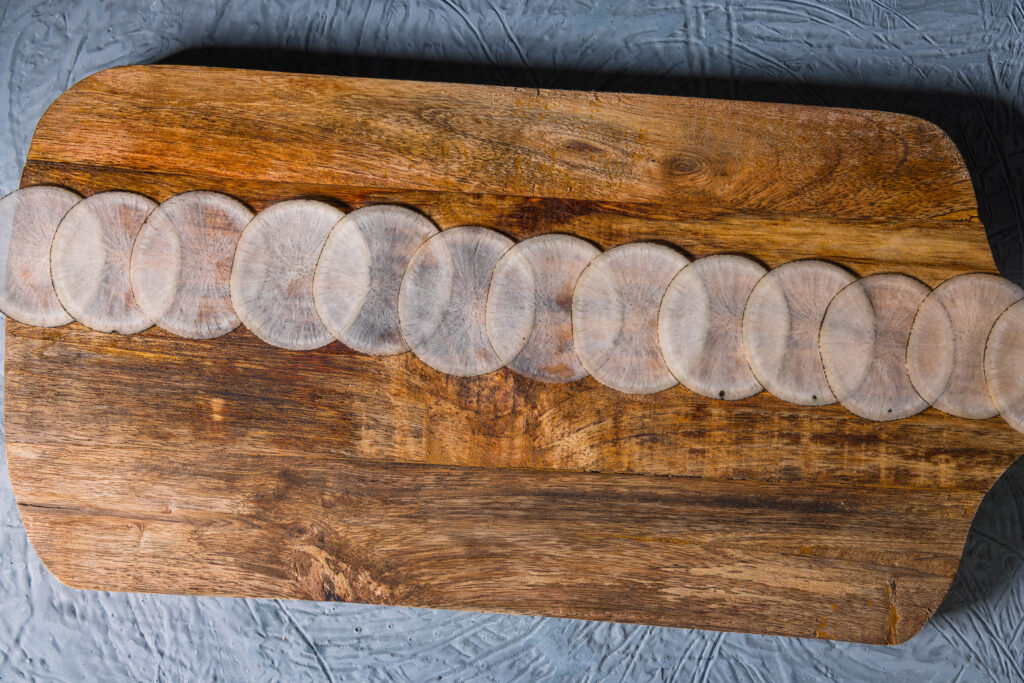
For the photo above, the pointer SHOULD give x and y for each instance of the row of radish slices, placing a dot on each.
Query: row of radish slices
(640, 318)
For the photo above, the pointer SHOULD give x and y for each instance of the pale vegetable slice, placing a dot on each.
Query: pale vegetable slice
(1004, 365)
(181, 263)
(945, 354)
(272, 275)
(781, 322)
(28, 220)
(864, 346)
(355, 286)
(90, 259)
(529, 306)
(443, 297)
(615, 316)
(700, 326)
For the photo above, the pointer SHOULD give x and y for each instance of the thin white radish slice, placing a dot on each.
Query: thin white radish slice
(945, 354)
(181, 263)
(355, 286)
(28, 220)
(529, 306)
(700, 326)
(1004, 365)
(272, 275)
(90, 260)
(781, 322)
(864, 346)
(615, 316)
(443, 297)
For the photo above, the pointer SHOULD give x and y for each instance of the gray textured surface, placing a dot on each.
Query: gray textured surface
(959, 64)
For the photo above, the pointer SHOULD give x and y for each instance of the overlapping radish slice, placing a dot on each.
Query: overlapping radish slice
(864, 346)
(639, 318)
(1004, 365)
(181, 263)
(615, 316)
(355, 286)
(700, 326)
(529, 306)
(443, 297)
(781, 322)
(28, 220)
(947, 342)
(90, 261)
(272, 274)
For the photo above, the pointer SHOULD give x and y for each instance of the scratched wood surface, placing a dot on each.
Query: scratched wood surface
(227, 467)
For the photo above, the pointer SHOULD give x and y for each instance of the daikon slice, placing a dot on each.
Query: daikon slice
(28, 220)
(181, 263)
(90, 261)
(864, 346)
(355, 286)
(529, 306)
(1004, 361)
(615, 316)
(700, 326)
(272, 274)
(443, 297)
(781, 322)
(945, 354)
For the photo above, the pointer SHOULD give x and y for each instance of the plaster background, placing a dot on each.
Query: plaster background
(958, 64)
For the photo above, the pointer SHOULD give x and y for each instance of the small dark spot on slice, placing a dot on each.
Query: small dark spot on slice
(721, 394)
(890, 410)
(814, 397)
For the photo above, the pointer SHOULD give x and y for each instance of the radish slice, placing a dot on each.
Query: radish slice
(28, 220)
(864, 346)
(181, 263)
(700, 326)
(1004, 365)
(781, 322)
(529, 306)
(90, 261)
(615, 316)
(272, 275)
(945, 355)
(355, 286)
(443, 296)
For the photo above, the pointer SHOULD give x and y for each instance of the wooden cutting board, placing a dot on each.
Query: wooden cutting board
(227, 467)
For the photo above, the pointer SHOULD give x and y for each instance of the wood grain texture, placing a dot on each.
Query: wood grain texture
(228, 467)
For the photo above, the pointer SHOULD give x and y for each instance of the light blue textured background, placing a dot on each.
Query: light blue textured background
(958, 64)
